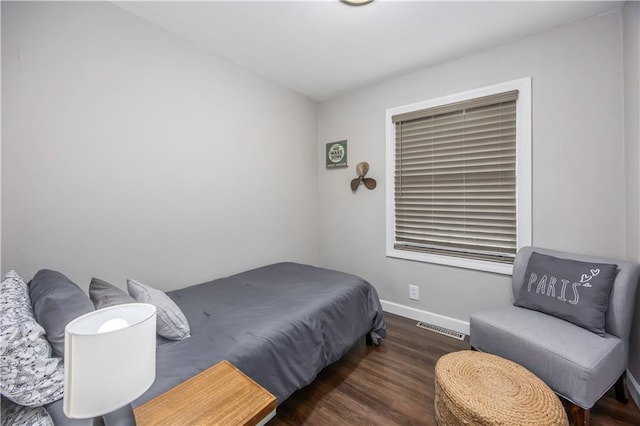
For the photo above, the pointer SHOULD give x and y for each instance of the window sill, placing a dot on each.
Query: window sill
(478, 265)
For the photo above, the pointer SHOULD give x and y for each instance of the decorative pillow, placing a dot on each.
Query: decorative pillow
(56, 301)
(30, 376)
(170, 321)
(13, 414)
(574, 291)
(104, 294)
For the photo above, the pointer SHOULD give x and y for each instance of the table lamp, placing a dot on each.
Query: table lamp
(109, 361)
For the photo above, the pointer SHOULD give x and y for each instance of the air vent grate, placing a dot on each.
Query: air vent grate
(441, 330)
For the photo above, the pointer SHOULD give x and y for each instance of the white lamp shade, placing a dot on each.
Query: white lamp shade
(109, 359)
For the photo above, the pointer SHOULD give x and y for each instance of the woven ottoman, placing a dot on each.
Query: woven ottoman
(476, 388)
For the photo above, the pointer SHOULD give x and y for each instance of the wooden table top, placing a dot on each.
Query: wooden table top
(220, 395)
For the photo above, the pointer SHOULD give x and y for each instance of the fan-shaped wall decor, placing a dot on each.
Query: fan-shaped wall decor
(361, 170)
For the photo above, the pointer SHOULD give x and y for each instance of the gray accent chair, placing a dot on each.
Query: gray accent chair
(578, 365)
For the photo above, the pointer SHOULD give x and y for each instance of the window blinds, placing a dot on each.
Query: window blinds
(455, 179)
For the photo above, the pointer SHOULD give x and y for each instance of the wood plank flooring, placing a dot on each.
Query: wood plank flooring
(393, 384)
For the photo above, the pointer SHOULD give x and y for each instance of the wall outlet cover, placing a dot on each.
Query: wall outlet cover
(414, 292)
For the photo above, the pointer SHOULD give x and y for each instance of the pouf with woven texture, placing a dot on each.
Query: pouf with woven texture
(476, 388)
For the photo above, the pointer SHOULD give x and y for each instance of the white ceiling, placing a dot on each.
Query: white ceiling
(325, 48)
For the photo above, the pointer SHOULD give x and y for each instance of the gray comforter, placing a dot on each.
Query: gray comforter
(280, 324)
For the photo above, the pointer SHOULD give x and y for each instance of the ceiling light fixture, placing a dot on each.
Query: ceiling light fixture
(356, 2)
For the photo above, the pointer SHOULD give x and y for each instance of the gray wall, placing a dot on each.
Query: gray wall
(578, 161)
(129, 152)
(631, 34)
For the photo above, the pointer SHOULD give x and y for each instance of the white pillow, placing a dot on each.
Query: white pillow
(30, 376)
(170, 321)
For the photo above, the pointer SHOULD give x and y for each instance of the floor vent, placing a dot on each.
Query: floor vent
(441, 330)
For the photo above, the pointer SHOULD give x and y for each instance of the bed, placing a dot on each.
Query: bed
(280, 324)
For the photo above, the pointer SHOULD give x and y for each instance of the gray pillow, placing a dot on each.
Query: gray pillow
(30, 375)
(103, 294)
(170, 321)
(577, 292)
(57, 300)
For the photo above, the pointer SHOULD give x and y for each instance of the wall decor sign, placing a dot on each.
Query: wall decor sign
(336, 154)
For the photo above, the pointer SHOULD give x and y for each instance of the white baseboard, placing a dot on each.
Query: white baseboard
(634, 387)
(426, 316)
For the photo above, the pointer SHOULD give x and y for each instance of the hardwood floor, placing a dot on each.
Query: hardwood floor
(393, 384)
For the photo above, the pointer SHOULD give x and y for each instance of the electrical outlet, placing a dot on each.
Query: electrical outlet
(414, 292)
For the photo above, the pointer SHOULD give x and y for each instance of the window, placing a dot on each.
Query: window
(459, 174)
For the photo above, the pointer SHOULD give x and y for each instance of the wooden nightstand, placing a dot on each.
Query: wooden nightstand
(220, 395)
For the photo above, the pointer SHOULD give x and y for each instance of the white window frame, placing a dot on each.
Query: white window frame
(523, 175)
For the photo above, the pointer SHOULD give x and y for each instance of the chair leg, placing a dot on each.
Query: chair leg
(620, 390)
(580, 415)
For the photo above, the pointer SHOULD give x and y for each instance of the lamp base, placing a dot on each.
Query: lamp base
(121, 417)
